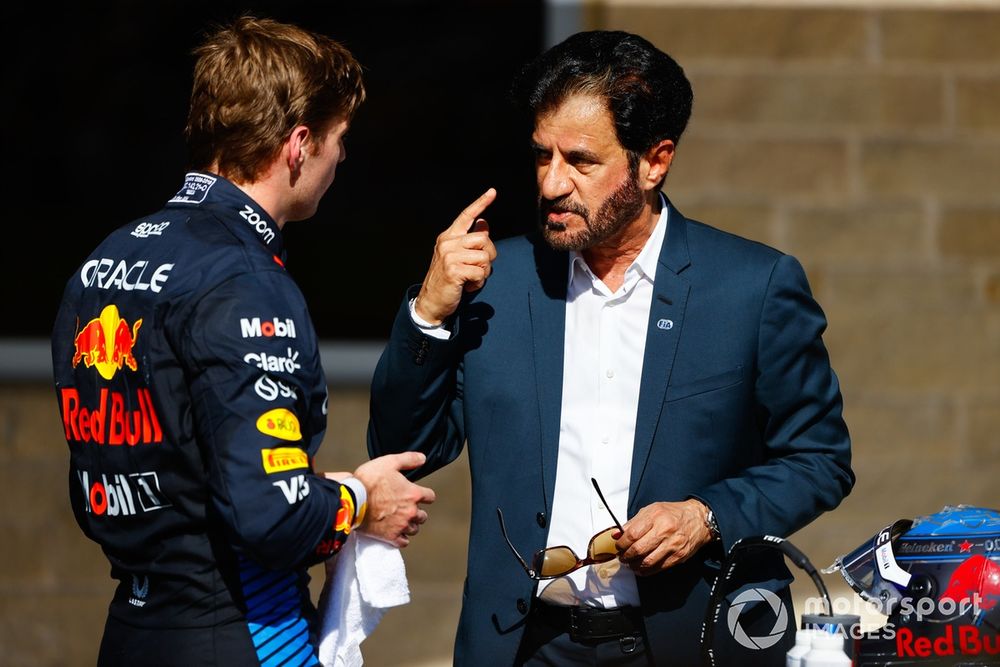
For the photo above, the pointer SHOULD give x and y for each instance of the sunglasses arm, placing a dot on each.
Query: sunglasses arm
(510, 545)
(600, 495)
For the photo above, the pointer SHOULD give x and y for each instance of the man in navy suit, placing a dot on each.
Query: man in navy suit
(680, 367)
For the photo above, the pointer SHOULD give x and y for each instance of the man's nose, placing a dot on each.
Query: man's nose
(554, 181)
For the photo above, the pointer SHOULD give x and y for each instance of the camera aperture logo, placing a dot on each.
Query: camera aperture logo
(756, 596)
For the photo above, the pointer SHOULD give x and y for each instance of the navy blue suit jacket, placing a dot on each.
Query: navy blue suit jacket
(738, 407)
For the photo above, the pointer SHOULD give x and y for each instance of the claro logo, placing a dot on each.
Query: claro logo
(274, 363)
(113, 421)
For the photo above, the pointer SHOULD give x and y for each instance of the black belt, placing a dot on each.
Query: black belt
(591, 623)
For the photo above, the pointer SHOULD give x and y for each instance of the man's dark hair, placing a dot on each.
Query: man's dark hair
(645, 89)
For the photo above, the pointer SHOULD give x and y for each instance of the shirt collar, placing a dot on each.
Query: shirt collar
(644, 265)
(235, 208)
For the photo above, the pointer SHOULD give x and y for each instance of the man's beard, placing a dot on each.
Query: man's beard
(619, 209)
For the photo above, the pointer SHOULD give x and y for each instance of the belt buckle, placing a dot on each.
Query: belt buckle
(590, 625)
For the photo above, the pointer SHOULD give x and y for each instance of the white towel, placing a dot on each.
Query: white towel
(362, 581)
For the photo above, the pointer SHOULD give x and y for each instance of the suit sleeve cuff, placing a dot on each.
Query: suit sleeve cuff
(435, 330)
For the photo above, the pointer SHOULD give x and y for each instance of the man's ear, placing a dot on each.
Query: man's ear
(296, 147)
(655, 163)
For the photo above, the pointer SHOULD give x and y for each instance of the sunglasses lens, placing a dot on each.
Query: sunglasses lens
(555, 562)
(602, 546)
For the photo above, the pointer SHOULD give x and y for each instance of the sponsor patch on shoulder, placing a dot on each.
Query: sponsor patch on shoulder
(280, 423)
(146, 229)
(282, 459)
(194, 190)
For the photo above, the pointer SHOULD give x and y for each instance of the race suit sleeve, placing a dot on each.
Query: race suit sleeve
(258, 401)
(416, 398)
(807, 447)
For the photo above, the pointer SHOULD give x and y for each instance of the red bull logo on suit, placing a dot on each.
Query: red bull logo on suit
(125, 419)
(106, 343)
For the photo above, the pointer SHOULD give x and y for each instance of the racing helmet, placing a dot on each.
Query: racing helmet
(950, 559)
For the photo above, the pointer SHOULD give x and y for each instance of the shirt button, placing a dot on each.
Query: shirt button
(610, 373)
(606, 439)
(540, 519)
(522, 606)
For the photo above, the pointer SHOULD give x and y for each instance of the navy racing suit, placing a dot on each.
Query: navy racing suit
(193, 401)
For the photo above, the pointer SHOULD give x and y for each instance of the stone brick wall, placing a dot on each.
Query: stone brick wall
(864, 141)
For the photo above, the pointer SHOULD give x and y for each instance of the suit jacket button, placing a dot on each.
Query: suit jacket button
(540, 518)
(522, 606)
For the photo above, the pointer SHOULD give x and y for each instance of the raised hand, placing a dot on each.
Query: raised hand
(462, 261)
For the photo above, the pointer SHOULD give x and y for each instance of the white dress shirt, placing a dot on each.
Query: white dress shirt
(602, 367)
(604, 344)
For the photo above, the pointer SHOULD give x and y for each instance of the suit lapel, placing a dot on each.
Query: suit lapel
(663, 331)
(547, 309)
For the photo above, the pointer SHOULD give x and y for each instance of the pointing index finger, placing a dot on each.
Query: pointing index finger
(465, 218)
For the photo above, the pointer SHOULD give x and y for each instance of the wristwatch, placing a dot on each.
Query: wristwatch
(712, 525)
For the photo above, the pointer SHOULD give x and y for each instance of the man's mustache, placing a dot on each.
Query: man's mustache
(561, 205)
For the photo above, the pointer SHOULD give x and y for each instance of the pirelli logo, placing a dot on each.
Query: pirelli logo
(283, 459)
